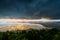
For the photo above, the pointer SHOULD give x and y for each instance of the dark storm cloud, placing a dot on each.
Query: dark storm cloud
(30, 8)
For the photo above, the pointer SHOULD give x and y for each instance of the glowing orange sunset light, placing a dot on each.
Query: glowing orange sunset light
(21, 27)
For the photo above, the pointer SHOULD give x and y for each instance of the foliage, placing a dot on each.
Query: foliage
(31, 34)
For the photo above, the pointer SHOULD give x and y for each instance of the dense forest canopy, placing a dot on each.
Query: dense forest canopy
(31, 34)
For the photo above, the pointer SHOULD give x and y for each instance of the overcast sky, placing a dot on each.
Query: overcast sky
(30, 8)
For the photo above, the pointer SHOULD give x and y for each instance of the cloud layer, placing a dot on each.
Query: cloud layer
(30, 8)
